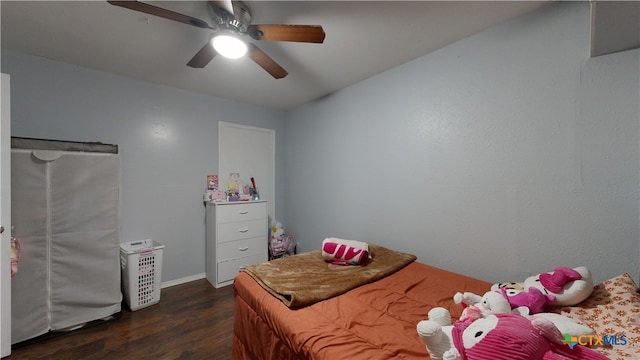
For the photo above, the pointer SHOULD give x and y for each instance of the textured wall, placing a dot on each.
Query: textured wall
(168, 139)
(505, 154)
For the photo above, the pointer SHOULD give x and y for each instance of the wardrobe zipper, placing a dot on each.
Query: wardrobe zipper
(48, 240)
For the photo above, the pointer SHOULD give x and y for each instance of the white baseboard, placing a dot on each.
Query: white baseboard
(183, 280)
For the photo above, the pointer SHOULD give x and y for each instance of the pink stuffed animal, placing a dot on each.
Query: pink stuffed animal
(514, 337)
(533, 299)
(436, 332)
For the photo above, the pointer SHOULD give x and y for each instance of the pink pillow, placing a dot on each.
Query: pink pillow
(344, 252)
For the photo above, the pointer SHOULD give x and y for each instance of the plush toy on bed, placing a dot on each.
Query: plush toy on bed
(500, 301)
(476, 306)
(515, 337)
(568, 286)
(563, 287)
(502, 336)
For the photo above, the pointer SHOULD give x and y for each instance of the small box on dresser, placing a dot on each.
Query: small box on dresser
(236, 237)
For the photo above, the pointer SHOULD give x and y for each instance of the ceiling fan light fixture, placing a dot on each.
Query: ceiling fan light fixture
(229, 46)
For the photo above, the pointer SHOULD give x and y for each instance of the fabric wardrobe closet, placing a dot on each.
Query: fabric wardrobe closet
(65, 204)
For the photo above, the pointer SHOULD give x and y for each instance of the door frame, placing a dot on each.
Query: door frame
(268, 155)
(5, 216)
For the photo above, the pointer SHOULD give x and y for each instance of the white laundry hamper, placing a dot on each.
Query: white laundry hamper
(141, 265)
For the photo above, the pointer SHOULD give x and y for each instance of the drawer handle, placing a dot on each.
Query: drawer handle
(243, 212)
(243, 230)
(244, 248)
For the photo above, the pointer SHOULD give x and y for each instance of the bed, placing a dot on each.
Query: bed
(377, 320)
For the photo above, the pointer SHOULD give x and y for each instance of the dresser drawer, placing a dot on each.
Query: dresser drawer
(241, 248)
(229, 269)
(242, 230)
(240, 212)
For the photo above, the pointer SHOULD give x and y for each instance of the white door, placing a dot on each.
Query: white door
(5, 219)
(250, 152)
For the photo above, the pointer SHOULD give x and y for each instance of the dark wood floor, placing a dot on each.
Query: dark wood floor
(191, 321)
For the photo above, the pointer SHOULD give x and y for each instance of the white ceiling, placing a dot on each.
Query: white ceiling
(363, 38)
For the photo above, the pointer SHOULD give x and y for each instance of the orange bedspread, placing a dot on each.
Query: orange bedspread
(374, 321)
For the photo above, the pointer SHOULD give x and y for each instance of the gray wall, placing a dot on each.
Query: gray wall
(505, 154)
(168, 140)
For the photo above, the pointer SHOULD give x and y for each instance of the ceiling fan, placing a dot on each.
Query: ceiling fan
(231, 21)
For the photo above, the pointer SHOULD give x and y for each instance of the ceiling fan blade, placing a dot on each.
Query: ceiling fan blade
(160, 12)
(267, 63)
(224, 4)
(203, 56)
(298, 33)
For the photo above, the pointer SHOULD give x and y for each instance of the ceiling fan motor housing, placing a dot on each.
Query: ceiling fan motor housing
(238, 22)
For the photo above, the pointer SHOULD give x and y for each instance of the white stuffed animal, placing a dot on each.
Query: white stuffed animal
(436, 334)
(568, 286)
(492, 302)
(436, 331)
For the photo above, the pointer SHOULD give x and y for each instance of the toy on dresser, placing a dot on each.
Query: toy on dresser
(237, 190)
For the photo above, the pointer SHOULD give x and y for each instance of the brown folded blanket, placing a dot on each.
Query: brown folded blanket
(306, 278)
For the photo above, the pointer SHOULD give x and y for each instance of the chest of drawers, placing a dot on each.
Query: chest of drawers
(236, 237)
